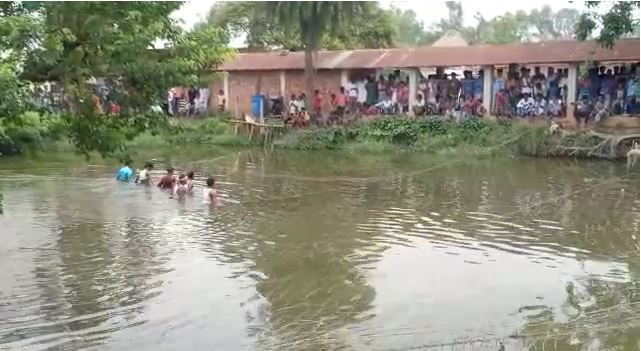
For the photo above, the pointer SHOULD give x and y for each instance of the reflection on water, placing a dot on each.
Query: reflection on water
(322, 252)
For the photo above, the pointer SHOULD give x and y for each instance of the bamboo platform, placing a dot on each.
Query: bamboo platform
(252, 127)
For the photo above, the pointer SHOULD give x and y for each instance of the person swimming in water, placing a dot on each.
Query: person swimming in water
(210, 196)
(168, 181)
(144, 175)
(125, 172)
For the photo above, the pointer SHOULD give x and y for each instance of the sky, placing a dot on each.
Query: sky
(426, 11)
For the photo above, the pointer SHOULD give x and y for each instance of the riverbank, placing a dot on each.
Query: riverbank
(474, 137)
(32, 132)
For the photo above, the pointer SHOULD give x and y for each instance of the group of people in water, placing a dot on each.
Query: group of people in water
(180, 186)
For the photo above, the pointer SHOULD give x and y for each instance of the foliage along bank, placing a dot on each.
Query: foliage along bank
(474, 136)
(137, 48)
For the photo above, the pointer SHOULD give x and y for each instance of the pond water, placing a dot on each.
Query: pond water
(321, 251)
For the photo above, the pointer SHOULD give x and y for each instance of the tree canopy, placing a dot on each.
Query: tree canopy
(376, 27)
(621, 19)
(262, 30)
(135, 46)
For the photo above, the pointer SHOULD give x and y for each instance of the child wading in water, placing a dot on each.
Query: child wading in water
(144, 175)
(168, 181)
(210, 197)
(181, 187)
(190, 181)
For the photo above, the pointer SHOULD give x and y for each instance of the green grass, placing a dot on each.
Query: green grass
(474, 137)
(32, 132)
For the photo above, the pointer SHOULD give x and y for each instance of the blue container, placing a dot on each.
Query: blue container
(256, 102)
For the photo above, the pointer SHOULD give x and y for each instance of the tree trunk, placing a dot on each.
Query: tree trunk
(310, 76)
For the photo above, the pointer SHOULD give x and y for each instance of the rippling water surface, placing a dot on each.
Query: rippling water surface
(321, 252)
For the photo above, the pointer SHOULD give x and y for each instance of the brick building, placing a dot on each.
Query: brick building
(282, 73)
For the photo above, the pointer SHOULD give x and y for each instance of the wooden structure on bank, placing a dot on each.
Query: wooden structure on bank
(250, 126)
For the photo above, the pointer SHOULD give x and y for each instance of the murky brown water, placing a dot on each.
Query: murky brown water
(322, 252)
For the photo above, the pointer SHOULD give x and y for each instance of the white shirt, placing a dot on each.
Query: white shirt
(563, 82)
(293, 107)
(362, 93)
(143, 175)
(352, 91)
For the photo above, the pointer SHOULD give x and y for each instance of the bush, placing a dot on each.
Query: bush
(317, 138)
(428, 135)
(29, 131)
(401, 131)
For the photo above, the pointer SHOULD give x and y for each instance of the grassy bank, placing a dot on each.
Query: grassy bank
(32, 132)
(475, 137)
(181, 132)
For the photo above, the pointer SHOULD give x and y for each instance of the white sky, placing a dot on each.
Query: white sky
(426, 11)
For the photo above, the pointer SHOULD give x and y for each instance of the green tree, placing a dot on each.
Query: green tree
(409, 29)
(620, 20)
(262, 31)
(539, 24)
(134, 45)
(454, 20)
(313, 19)
(249, 19)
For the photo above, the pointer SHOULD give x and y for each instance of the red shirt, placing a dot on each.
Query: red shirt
(115, 108)
(317, 102)
(341, 100)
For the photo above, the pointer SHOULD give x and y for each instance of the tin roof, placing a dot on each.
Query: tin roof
(562, 51)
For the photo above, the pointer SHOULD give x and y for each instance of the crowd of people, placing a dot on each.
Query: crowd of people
(516, 93)
(439, 94)
(178, 187)
(360, 97)
(603, 91)
(443, 94)
(187, 102)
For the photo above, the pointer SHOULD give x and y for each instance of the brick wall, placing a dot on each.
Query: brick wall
(326, 80)
(243, 84)
(217, 85)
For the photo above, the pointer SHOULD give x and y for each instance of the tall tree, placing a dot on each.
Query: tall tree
(313, 19)
(261, 30)
(409, 29)
(620, 20)
(454, 20)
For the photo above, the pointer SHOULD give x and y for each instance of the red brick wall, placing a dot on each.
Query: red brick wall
(217, 85)
(242, 85)
(329, 80)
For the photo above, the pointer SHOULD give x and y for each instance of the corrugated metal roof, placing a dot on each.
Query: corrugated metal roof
(521, 53)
